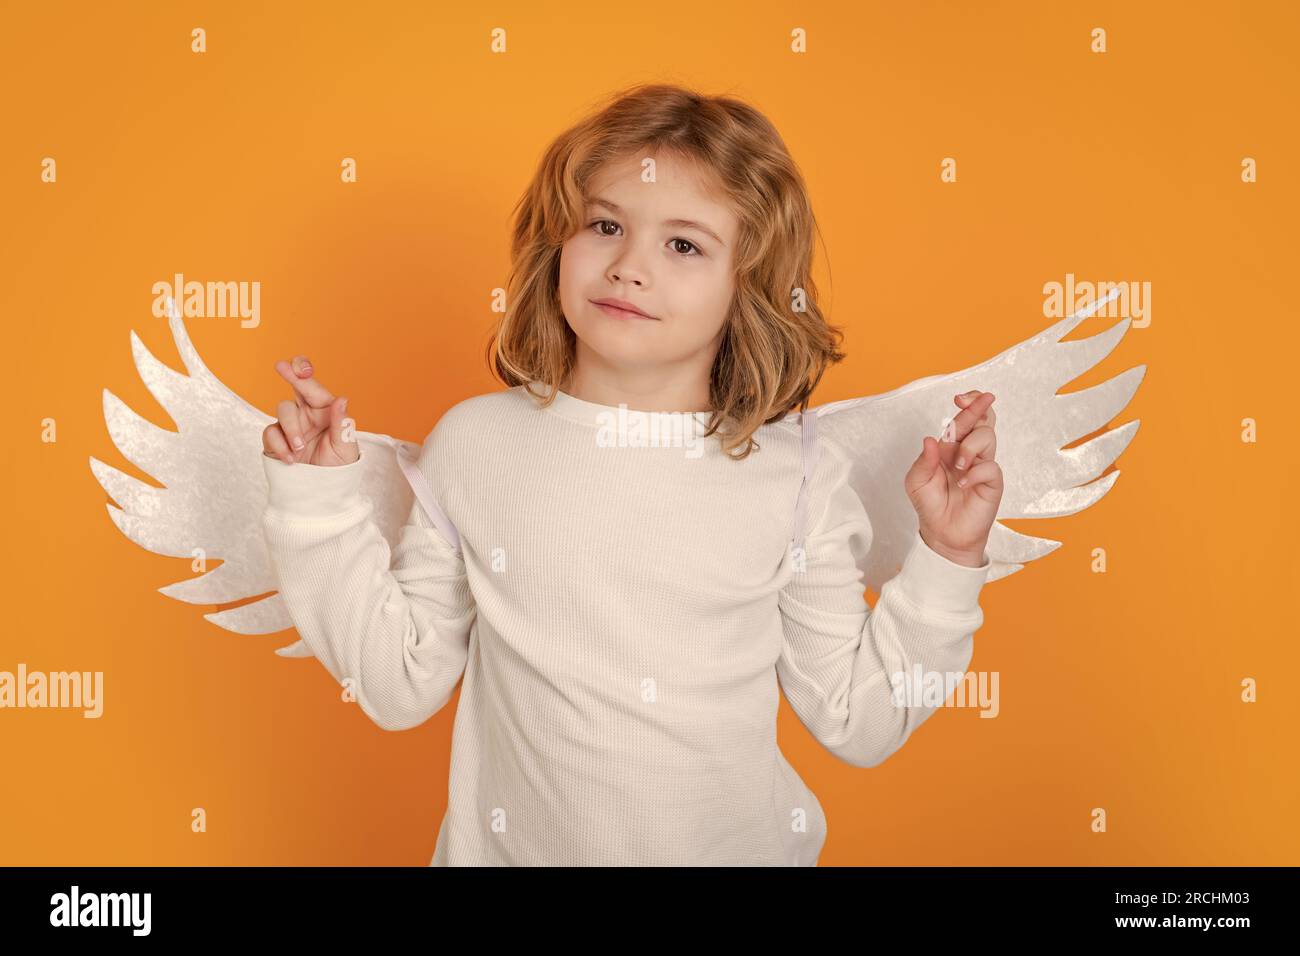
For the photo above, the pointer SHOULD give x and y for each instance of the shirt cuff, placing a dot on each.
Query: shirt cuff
(312, 491)
(931, 581)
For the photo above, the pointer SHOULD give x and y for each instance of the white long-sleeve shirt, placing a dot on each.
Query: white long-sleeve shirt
(620, 617)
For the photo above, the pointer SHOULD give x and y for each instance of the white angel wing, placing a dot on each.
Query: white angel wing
(215, 489)
(1041, 479)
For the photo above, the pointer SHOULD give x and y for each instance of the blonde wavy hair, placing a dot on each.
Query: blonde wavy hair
(772, 355)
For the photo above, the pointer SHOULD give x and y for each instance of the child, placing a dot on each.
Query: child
(621, 609)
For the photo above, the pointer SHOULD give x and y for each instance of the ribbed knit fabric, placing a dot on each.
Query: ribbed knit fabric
(620, 616)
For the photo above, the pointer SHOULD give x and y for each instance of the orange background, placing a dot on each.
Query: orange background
(1119, 690)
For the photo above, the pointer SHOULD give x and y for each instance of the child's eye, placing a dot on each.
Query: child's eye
(600, 223)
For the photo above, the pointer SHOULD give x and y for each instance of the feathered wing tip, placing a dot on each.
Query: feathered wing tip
(296, 649)
(214, 491)
(1042, 479)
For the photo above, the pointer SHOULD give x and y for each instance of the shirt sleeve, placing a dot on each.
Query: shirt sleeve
(397, 625)
(844, 665)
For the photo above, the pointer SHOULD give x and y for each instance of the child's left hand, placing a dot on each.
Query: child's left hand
(958, 505)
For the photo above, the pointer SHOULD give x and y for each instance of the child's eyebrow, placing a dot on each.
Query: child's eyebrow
(676, 223)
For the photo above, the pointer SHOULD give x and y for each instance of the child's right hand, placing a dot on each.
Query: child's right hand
(310, 428)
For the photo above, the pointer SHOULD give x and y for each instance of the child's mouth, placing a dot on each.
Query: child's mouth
(620, 313)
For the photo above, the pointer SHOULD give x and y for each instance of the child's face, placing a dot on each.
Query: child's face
(629, 248)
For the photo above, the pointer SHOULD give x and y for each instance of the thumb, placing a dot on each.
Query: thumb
(924, 467)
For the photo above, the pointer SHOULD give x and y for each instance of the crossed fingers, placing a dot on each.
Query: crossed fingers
(972, 428)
